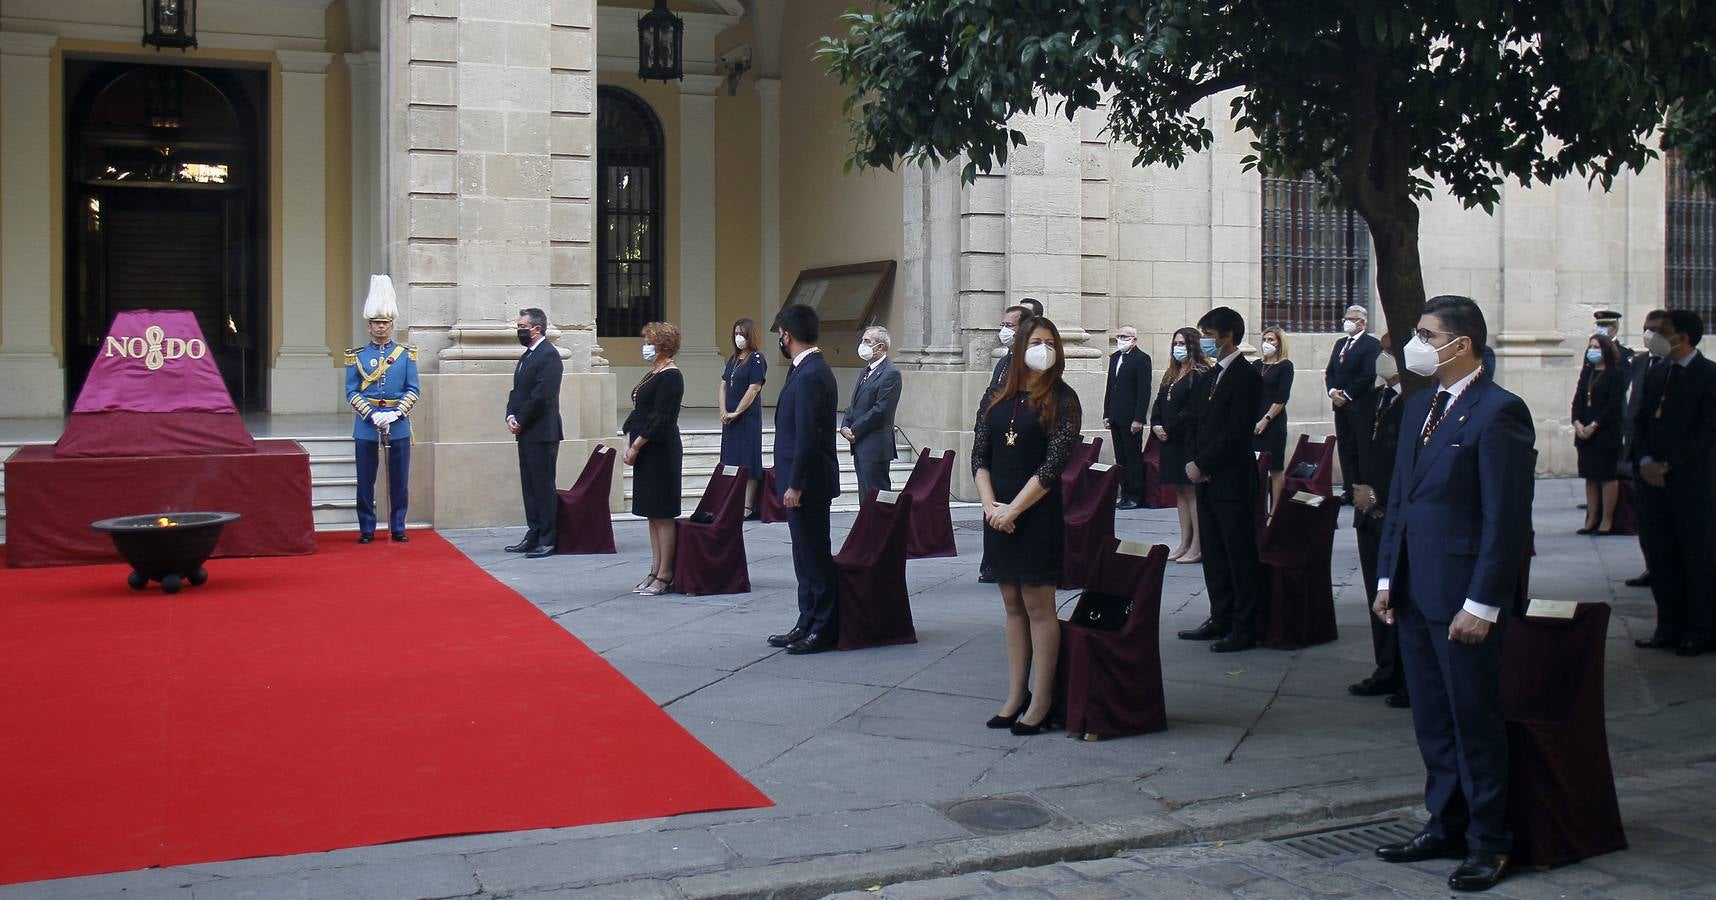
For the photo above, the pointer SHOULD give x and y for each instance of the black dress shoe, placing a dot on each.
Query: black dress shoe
(365, 538)
(1232, 644)
(810, 643)
(1691, 648)
(520, 547)
(1656, 643)
(1369, 688)
(781, 640)
(1126, 504)
(1480, 872)
(1208, 631)
(1399, 700)
(539, 552)
(400, 538)
(1643, 580)
(1020, 729)
(1422, 846)
(1007, 721)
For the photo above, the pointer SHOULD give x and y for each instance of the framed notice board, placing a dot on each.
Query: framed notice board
(844, 296)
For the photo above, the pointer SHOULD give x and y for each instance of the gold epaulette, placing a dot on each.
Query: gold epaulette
(351, 356)
(411, 352)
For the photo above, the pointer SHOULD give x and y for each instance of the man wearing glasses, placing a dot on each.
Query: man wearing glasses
(1349, 377)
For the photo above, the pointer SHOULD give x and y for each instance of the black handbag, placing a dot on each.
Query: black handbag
(703, 518)
(1305, 470)
(1103, 612)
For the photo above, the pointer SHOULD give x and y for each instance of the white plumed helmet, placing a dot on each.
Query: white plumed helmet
(381, 303)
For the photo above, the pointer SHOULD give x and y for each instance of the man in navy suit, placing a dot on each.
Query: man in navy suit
(533, 416)
(807, 475)
(1349, 377)
(1453, 540)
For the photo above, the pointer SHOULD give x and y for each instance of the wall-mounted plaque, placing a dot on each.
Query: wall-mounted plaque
(844, 296)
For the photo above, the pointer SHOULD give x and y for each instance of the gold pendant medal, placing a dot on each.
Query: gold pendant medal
(1012, 437)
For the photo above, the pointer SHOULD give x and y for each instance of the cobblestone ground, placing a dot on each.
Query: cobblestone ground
(1669, 827)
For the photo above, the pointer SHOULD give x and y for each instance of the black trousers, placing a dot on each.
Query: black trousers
(398, 477)
(872, 475)
(1384, 639)
(1675, 530)
(1129, 455)
(1348, 424)
(536, 462)
(1229, 529)
(813, 564)
(1457, 715)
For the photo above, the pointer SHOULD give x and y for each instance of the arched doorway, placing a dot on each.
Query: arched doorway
(631, 227)
(165, 187)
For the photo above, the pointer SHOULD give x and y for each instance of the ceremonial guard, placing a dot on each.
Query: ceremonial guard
(381, 386)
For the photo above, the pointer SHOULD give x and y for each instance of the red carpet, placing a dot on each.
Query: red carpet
(361, 695)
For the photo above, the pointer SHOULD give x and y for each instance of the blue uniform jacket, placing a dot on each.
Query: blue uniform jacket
(393, 390)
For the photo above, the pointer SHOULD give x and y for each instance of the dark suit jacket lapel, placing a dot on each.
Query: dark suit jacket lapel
(1453, 422)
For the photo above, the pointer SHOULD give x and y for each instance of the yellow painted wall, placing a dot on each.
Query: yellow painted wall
(337, 231)
(738, 198)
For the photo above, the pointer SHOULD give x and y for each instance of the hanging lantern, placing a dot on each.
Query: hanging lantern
(170, 23)
(661, 44)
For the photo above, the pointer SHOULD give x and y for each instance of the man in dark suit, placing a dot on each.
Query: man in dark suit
(1673, 436)
(1225, 472)
(807, 474)
(1377, 446)
(533, 416)
(1348, 378)
(1012, 323)
(869, 423)
(1453, 540)
(1125, 409)
(1637, 370)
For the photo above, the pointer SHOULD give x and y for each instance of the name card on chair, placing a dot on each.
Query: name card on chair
(604, 448)
(1539, 608)
(729, 471)
(1133, 548)
(1307, 498)
(1100, 467)
(887, 496)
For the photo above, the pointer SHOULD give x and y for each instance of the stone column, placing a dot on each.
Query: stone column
(1045, 208)
(305, 379)
(34, 380)
(698, 356)
(769, 154)
(368, 199)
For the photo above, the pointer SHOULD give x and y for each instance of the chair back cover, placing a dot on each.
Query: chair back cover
(1087, 452)
(1157, 495)
(1087, 505)
(769, 508)
(710, 558)
(875, 608)
(1109, 683)
(1320, 455)
(931, 529)
(724, 497)
(585, 525)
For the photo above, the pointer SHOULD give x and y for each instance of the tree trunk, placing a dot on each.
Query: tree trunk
(1399, 275)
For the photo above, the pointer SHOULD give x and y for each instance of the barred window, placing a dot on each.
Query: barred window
(629, 202)
(1689, 245)
(1316, 261)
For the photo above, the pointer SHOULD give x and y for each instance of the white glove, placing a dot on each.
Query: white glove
(384, 419)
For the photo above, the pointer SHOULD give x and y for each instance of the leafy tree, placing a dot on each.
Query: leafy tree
(1380, 99)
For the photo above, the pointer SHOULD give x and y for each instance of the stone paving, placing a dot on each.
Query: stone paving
(862, 752)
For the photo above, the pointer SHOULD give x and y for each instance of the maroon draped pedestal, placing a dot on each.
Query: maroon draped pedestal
(1087, 506)
(875, 609)
(584, 524)
(769, 508)
(1108, 681)
(1561, 787)
(930, 533)
(1297, 607)
(1322, 481)
(51, 501)
(1156, 494)
(710, 558)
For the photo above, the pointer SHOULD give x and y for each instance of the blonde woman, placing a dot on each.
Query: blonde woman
(655, 452)
(1271, 429)
(1173, 420)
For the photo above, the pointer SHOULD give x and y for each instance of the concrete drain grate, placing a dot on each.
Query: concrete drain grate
(1347, 841)
(994, 816)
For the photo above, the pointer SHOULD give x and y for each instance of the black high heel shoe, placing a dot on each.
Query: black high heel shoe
(1007, 721)
(1022, 730)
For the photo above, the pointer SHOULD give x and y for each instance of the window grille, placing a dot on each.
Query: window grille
(1689, 245)
(1316, 261)
(629, 201)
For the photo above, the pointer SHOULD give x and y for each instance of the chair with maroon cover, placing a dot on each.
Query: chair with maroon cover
(1087, 452)
(1087, 506)
(1561, 786)
(1156, 494)
(1297, 607)
(711, 554)
(1108, 681)
(874, 607)
(930, 486)
(1260, 513)
(584, 523)
(1319, 477)
(1626, 517)
(769, 508)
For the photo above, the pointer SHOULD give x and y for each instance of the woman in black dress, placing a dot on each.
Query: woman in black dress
(1271, 430)
(1597, 406)
(654, 452)
(742, 409)
(1173, 420)
(1027, 431)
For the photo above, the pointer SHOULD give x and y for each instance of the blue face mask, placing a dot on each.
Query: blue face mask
(1180, 353)
(1594, 355)
(1209, 346)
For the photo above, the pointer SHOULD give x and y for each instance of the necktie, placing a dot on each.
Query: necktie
(1438, 408)
(1347, 345)
(1381, 411)
(1667, 382)
(866, 376)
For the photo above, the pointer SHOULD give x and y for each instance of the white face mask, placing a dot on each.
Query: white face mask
(1351, 327)
(1006, 335)
(1123, 344)
(1655, 343)
(1386, 367)
(866, 351)
(739, 341)
(1268, 348)
(649, 352)
(1039, 357)
(1423, 359)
